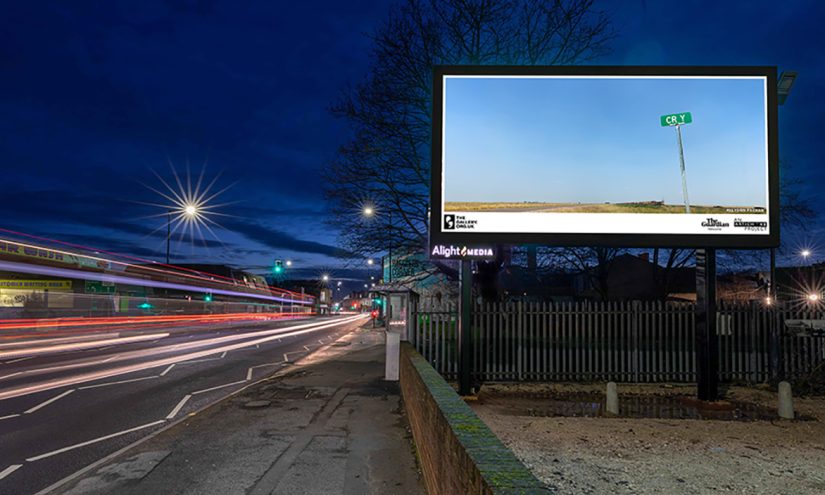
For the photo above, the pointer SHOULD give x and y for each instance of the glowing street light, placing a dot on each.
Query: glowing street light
(370, 262)
(369, 211)
(325, 277)
(813, 297)
(805, 253)
(288, 262)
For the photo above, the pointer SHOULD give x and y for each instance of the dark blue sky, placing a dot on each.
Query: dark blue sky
(95, 94)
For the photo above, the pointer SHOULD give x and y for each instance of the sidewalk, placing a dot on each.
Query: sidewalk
(331, 425)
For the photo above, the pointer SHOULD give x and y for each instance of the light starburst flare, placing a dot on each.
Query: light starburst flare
(190, 207)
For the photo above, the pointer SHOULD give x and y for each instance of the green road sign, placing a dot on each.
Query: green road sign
(95, 287)
(676, 119)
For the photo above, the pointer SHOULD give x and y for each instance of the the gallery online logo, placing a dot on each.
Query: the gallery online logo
(449, 222)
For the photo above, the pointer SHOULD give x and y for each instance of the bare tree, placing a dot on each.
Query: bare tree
(386, 164)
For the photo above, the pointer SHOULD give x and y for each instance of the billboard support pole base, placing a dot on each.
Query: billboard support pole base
(707, 342)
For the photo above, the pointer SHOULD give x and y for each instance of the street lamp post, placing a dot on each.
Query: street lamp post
(168, 232)
(186, 210)
(369, 211)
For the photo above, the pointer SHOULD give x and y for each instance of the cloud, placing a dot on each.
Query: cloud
(281, 240)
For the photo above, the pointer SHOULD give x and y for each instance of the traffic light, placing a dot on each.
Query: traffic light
(207, 298)
(374, 314)
(279, 267)
(145, 305)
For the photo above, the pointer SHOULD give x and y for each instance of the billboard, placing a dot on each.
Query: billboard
(619, 156)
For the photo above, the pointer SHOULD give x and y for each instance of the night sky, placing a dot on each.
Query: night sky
(96, 95)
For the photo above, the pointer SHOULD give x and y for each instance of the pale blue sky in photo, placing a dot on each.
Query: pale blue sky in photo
(600, 140)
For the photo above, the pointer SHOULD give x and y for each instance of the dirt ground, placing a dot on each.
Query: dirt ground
(599, 455)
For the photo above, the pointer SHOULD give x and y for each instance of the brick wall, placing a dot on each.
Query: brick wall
(458, 452)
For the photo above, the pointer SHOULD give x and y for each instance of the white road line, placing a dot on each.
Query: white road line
(320, 341)
(286, 358)
(44, 404)
(307, 348)
(9, 470)
(267, 364)
(223, 355)
(11, 375)
(118, 382)
(178, 407)
(167, 369)
(9, 416)
(90, 442)
(219, 386)
(20, 359)
(249, 374)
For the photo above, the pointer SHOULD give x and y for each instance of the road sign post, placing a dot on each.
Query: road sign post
(677, 120)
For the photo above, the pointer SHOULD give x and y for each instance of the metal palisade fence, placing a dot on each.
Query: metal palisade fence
(633, 341)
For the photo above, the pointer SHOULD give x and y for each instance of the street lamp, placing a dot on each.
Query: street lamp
(288, 262)
(370, 212)
(189, 210)
(805, 253)
(370, 262)
(325, 277)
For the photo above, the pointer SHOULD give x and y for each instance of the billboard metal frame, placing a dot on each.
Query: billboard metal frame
(710, 240)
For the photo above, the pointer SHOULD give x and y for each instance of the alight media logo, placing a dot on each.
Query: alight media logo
(461, 252)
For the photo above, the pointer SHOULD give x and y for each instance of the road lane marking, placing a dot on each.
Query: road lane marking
(9, 416)
(97, 375)
(223, 355)
(267, 364)
(249, 374)
(20, 359)
(9, 470)
(178, 407)
(219, 386)
(44, 404)
(167, 369)
(95, 440)
(11, 375)
(118, 382)
(307, 348)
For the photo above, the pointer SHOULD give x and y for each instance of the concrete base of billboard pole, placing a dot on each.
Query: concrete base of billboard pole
(707, 342)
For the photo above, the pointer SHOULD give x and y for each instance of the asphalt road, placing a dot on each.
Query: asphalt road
(68, 404)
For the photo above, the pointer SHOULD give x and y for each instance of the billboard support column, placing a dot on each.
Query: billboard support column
(707, 342)
(465, 283)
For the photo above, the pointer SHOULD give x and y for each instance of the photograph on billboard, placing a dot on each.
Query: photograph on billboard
(653, 156)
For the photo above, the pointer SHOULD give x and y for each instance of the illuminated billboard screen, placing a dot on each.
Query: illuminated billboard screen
(622, 156)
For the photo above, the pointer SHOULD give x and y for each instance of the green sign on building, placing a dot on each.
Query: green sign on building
(676, 119)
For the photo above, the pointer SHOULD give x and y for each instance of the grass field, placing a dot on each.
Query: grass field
(639, 207)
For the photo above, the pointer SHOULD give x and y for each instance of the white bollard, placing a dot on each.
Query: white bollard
(393, 356)
(612, 399)
(785, 401)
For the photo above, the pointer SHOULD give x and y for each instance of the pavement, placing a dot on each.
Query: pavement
(329, 424)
